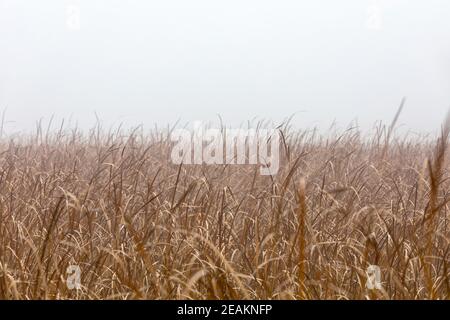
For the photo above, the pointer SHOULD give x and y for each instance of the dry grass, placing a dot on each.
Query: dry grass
(140, 227)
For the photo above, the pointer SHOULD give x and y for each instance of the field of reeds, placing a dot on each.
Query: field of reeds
(140, 227)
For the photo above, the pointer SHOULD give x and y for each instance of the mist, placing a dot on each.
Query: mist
(149, 62)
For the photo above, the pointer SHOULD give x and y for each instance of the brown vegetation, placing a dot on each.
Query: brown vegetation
(140, 227)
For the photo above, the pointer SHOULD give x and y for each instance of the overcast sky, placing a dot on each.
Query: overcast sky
(159, 61)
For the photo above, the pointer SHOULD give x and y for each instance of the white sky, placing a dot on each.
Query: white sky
(159, 61)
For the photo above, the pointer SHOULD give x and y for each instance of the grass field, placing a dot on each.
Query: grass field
(140, 227)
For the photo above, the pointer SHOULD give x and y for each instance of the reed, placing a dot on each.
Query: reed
(140, 227)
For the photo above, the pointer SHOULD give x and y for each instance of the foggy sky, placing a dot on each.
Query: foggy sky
(160, 61)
